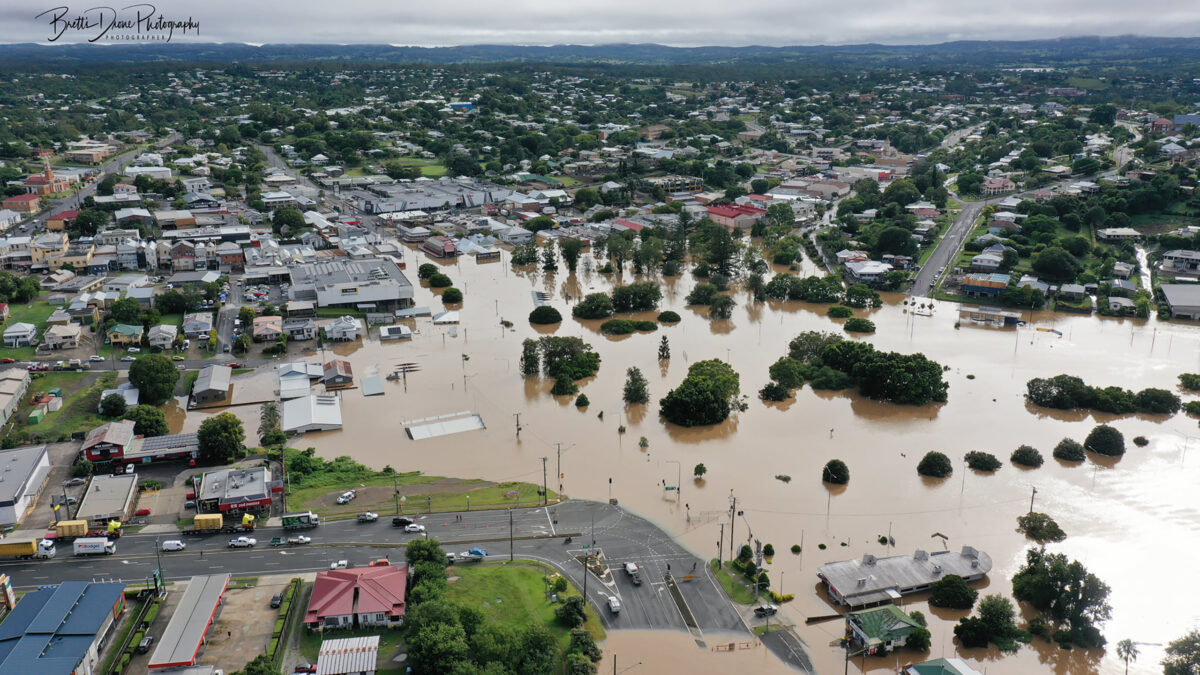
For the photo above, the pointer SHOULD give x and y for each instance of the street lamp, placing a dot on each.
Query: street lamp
(678, 478)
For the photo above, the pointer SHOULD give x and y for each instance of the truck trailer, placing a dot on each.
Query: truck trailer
(300, 521)
(27, 549)
(95, 546)
(213, 523)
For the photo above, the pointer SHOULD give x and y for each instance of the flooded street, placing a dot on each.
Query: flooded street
(1125, 519)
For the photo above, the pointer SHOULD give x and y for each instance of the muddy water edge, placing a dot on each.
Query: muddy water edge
(1131, 521)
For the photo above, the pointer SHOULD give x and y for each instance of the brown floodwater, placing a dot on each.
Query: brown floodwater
(1130, 520)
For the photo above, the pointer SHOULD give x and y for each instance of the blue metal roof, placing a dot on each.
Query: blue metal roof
(51, 629)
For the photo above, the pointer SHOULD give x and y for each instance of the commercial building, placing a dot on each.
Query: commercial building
(108, 441)
(108, 498)
(59, 629)
(349, 656)
(180, 644)
(872, 581)
(235, 490)
(212, 385)
(14, 382)
(367, 596)
(880, 630)
(311, 413)
(369, 284)
(433, 195)
(1183, 300)
(950, 666)
(23, 471)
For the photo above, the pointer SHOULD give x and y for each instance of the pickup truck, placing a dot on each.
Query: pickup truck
(243, 542)
(368, 517)
(290, 541)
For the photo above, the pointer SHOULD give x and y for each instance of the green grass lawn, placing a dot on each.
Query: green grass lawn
(514, 594)
(486, 496)
(735, 588)
(35, 313)
(78, 413)
(429, 167)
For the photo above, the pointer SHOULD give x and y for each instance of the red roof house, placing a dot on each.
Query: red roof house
(735, 215)
(26, 203)
(366, 596)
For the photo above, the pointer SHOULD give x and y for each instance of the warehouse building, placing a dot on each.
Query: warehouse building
(23, 471)
(180, 644)
(368, 285)
(108, 498)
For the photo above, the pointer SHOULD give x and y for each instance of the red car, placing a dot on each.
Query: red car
(142, 512)
(234, 364)
(7, 360)
(191, 495)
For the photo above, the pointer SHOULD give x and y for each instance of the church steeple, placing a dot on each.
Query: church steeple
(46, 172)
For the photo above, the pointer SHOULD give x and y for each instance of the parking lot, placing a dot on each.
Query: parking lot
(243, 627)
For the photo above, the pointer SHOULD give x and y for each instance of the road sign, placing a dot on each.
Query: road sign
(586, 546)
(670, 488)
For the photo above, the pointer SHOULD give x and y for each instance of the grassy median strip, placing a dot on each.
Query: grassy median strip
(734, 588)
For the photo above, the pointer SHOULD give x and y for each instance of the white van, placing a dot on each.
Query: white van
(173, 545)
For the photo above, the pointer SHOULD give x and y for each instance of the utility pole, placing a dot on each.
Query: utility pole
(757, 565)
(558, 451)
(67, 502)
(720, 544)
(545, 492)
(510, 536)
(158, 554)
(518, 416)
(732, 514)
(396, 493)
(1031, 496)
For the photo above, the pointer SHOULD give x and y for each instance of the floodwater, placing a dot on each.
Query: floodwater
(1132, 521)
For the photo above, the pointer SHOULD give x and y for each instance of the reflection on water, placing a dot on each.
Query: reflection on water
(1122, 517)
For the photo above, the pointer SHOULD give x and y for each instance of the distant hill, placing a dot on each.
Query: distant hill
(1090, 51)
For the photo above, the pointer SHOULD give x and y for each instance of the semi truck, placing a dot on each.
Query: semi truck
(300, 521)
(94, 546)
(68, 530)
(27, 549)
(213, 523)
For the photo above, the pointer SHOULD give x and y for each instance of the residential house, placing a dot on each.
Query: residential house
(1121, 306)
(343, 328)
(197, 325)
(1123, 270)
(995, 186)
(338, 372)
(125, 390)
(359, 597)
(267, 328)
(20, 334)
(124, 335)
(63, 336)
(1121, 287)
(163, 336)
(848, 256)
(1161, 125)
(1118, 233)
(143, 294)
(987, 262)
(1178, 260)
(1033, 282)
(27, 204)
(1072, 292)
(311, 413)
(3, 312)
(8, 218)
(984, 284)
(300, 328)
(295, 379)
(868, 271)
(880, 630)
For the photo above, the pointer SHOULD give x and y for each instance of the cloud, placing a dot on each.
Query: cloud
(672, 22)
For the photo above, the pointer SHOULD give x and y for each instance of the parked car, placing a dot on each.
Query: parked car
(144, 645)
(173, 545)
(134, 350)
(413, 527)
(233, 364)
(95, 358)
(346, 497)
(339, 564)
(304, 668)
(74, 481)
(128, 358)
(189, 504)
(243, 542)
(379, 562)
(8, 360)
(368, 517)
(276, 600)
(142, 512)
(766, 610)
(190, 495)
(177, 357)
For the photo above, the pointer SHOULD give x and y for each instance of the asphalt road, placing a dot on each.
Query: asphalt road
(620, 537)
(947, 247)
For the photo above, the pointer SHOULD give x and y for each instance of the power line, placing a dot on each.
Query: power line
(888, 513)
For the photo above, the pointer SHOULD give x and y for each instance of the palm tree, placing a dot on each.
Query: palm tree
(1127, 651)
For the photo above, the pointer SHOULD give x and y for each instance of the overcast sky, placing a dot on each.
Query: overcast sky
(672, 22)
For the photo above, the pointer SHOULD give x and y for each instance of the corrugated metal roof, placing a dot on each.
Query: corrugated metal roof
(443, 427)
(181, 641)
(348, 655)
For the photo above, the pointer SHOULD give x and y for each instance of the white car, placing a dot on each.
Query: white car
(339, 564)
(346, 497)
(614, 604)
(134, 350)
(173, 545)
(243, 542)
(414, 528)
(128, 358)
(95, 357)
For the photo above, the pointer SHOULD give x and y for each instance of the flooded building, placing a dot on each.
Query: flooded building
(872, 581)
(372, 284)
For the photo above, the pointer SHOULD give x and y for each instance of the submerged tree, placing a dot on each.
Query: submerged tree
(664, 349)
(636, 386)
